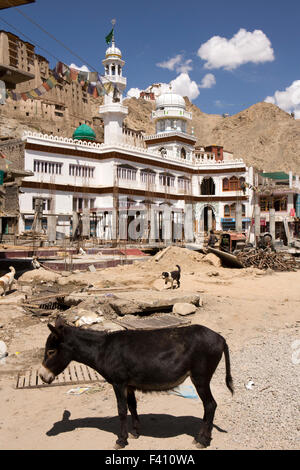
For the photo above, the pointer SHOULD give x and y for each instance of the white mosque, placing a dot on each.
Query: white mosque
(117, 183)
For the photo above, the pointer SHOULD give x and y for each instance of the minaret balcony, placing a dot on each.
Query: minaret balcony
(115, 79)
(113, 108)
(171, 113)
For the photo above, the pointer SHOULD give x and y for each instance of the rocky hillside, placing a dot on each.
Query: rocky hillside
(263, 135)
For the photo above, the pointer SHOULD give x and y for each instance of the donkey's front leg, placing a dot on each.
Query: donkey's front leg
(121, 395)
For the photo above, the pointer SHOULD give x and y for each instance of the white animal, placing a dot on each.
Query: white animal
(7, 280)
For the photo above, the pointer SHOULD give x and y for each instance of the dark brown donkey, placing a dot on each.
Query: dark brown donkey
(147, 360)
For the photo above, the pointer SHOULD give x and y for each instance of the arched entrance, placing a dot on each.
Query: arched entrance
(208, 219)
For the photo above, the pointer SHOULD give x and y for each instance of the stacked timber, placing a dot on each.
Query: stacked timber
(267, 259)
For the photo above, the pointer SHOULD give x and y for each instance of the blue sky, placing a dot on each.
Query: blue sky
(224, 55)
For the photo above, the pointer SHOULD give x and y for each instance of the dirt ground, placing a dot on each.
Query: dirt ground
(256, 311)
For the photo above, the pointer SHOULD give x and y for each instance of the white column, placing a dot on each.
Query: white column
(257, 219)
(272, 223)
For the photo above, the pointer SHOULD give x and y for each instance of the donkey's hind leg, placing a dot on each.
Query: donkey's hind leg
(204, 436)
(131, 400)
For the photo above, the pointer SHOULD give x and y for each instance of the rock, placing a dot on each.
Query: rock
(184, 309)
(124, 307)
(40, 274)
(75, 298)
(212, 259)
(213, 273)
(141, 302)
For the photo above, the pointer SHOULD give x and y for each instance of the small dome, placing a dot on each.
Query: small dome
(170, 99)
(84, 132)
(113, 52)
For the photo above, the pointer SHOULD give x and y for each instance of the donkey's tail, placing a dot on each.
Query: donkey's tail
(228, 379)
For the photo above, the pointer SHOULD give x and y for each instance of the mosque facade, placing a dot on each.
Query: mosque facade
(166, 189)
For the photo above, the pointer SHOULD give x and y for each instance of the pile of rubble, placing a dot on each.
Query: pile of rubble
(267, 259)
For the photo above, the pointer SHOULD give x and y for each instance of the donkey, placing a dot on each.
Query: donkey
(146, 360)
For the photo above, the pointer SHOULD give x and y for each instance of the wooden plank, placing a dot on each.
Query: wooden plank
(85, 373)
(72, 372)
(33, 378)
(27, 378)
(61, 378)
(154, 323)
(79, 373)
(93, 374)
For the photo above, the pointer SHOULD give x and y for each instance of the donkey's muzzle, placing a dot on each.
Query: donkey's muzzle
(46, 375)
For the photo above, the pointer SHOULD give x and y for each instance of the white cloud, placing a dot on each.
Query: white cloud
(171, 63)
(243, 47)
(185, 66)
(177, 63)
(83, 68)
(184, 86)
(288, 100)
(134, 93)
(208, 81)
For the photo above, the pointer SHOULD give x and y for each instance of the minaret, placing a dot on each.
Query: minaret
(113, 112)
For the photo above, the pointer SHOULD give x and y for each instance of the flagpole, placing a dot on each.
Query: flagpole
(113, 22)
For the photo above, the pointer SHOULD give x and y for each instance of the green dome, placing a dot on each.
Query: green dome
(84, 132)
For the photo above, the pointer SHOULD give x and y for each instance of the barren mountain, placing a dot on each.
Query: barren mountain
(263, 135)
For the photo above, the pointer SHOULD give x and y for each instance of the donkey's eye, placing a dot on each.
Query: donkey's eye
(51, 352)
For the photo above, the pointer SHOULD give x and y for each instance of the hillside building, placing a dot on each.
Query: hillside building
(64, 107)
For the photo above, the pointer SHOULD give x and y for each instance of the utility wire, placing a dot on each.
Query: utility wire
(29, 39)
(54, 38)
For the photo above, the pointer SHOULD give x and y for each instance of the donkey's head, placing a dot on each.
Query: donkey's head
(57, 353)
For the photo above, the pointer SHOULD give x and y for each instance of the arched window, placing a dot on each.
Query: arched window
(226, 211)
(113, 69)
(233, 183)
(225, 184)
(183, 153)
(229, 210)
(207, 187)
(232, 210)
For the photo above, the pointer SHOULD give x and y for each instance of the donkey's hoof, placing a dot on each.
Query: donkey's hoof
(133, 435)
(120, 445)
(200, 445)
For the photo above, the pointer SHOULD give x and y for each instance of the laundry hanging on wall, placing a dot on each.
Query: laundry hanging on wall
(90, 81)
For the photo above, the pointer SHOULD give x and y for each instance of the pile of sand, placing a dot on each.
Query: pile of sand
(188, 260)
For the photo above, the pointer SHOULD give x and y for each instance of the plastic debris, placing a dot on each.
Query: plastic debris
(88, 320)
(185, 390)
(3, 352)
(78, 390)
(249, 385)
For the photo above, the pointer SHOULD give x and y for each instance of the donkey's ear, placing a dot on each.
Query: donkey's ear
(59, 322)
(53, 330)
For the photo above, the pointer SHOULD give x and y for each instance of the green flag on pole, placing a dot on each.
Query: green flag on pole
(109, 37)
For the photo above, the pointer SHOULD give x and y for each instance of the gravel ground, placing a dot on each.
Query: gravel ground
(267, 416)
